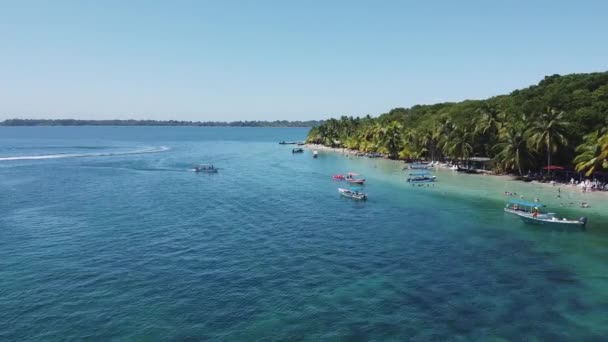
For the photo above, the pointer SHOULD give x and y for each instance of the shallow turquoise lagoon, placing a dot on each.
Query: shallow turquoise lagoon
(105, 234)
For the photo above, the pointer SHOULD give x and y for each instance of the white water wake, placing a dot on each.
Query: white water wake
(81, 155)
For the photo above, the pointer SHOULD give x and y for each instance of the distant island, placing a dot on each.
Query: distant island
(74, 122)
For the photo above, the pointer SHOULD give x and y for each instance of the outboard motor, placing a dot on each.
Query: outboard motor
(583, 220)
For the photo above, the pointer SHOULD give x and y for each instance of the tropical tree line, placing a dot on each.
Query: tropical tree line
(561, 121)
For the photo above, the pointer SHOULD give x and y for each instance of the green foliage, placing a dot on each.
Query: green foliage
(519, 130)
(593, 153)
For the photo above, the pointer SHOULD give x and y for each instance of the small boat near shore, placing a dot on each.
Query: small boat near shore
(297, 150)
(351, 179)
(290, 142)
(421, 177)
(315, 154)
(419, 166)
(358, 195)
(206, 168)
(533, 213)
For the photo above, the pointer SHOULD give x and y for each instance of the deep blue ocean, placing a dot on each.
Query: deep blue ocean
(106, 234)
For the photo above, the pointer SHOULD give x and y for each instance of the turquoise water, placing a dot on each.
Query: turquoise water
(106, 234)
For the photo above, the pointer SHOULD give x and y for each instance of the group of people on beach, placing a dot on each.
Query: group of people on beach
(559, 195)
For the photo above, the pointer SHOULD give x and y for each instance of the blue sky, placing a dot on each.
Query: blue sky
(266, 60)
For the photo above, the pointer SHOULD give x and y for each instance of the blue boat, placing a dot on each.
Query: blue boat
(534, 213)
(421, 177)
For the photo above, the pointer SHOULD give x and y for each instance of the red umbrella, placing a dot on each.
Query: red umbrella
(553, 167)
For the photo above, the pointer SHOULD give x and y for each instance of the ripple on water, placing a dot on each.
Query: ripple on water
(136, 247)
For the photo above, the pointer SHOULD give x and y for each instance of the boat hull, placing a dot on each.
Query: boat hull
(545, 220)
(550, 222)
(350, 194)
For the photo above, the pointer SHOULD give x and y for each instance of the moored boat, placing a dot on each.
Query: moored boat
(420, 166)
(421, 177)
(358, 195)
(351, 178)
(297, 150)
(315, 154)
(533, 213)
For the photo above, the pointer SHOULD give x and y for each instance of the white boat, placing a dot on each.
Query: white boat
(531, 213)
(315, 154)
(420, 166)
(454, 168)
(358, 195)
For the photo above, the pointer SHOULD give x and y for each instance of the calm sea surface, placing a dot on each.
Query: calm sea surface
(105, 234)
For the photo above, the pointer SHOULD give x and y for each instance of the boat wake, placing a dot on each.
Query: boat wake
(82, 155)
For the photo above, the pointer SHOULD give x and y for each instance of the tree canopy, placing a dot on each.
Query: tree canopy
(562, 120)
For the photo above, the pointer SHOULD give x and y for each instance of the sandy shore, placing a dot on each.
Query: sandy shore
(564, 187)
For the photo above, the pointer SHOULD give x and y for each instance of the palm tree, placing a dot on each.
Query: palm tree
(491, 120)
(592, 154)
(411, 146)
(390, 137)
(547, 131)
(459, 144)
(512, 149)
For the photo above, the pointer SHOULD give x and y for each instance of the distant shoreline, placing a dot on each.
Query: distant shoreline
(603, 195)
(157, 123)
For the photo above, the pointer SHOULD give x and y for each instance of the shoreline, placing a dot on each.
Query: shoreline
(564, 187)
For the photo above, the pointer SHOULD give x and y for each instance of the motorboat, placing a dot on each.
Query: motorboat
(207, 168)
(421, 177)
(420, 166)
(358, 195)
(351, 178)
(454, 168)
(297, 150)
(315, 154)
(533, 213)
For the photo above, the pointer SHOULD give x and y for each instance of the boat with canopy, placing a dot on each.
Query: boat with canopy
(420, 166)
(421, 177)
(534, 213)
